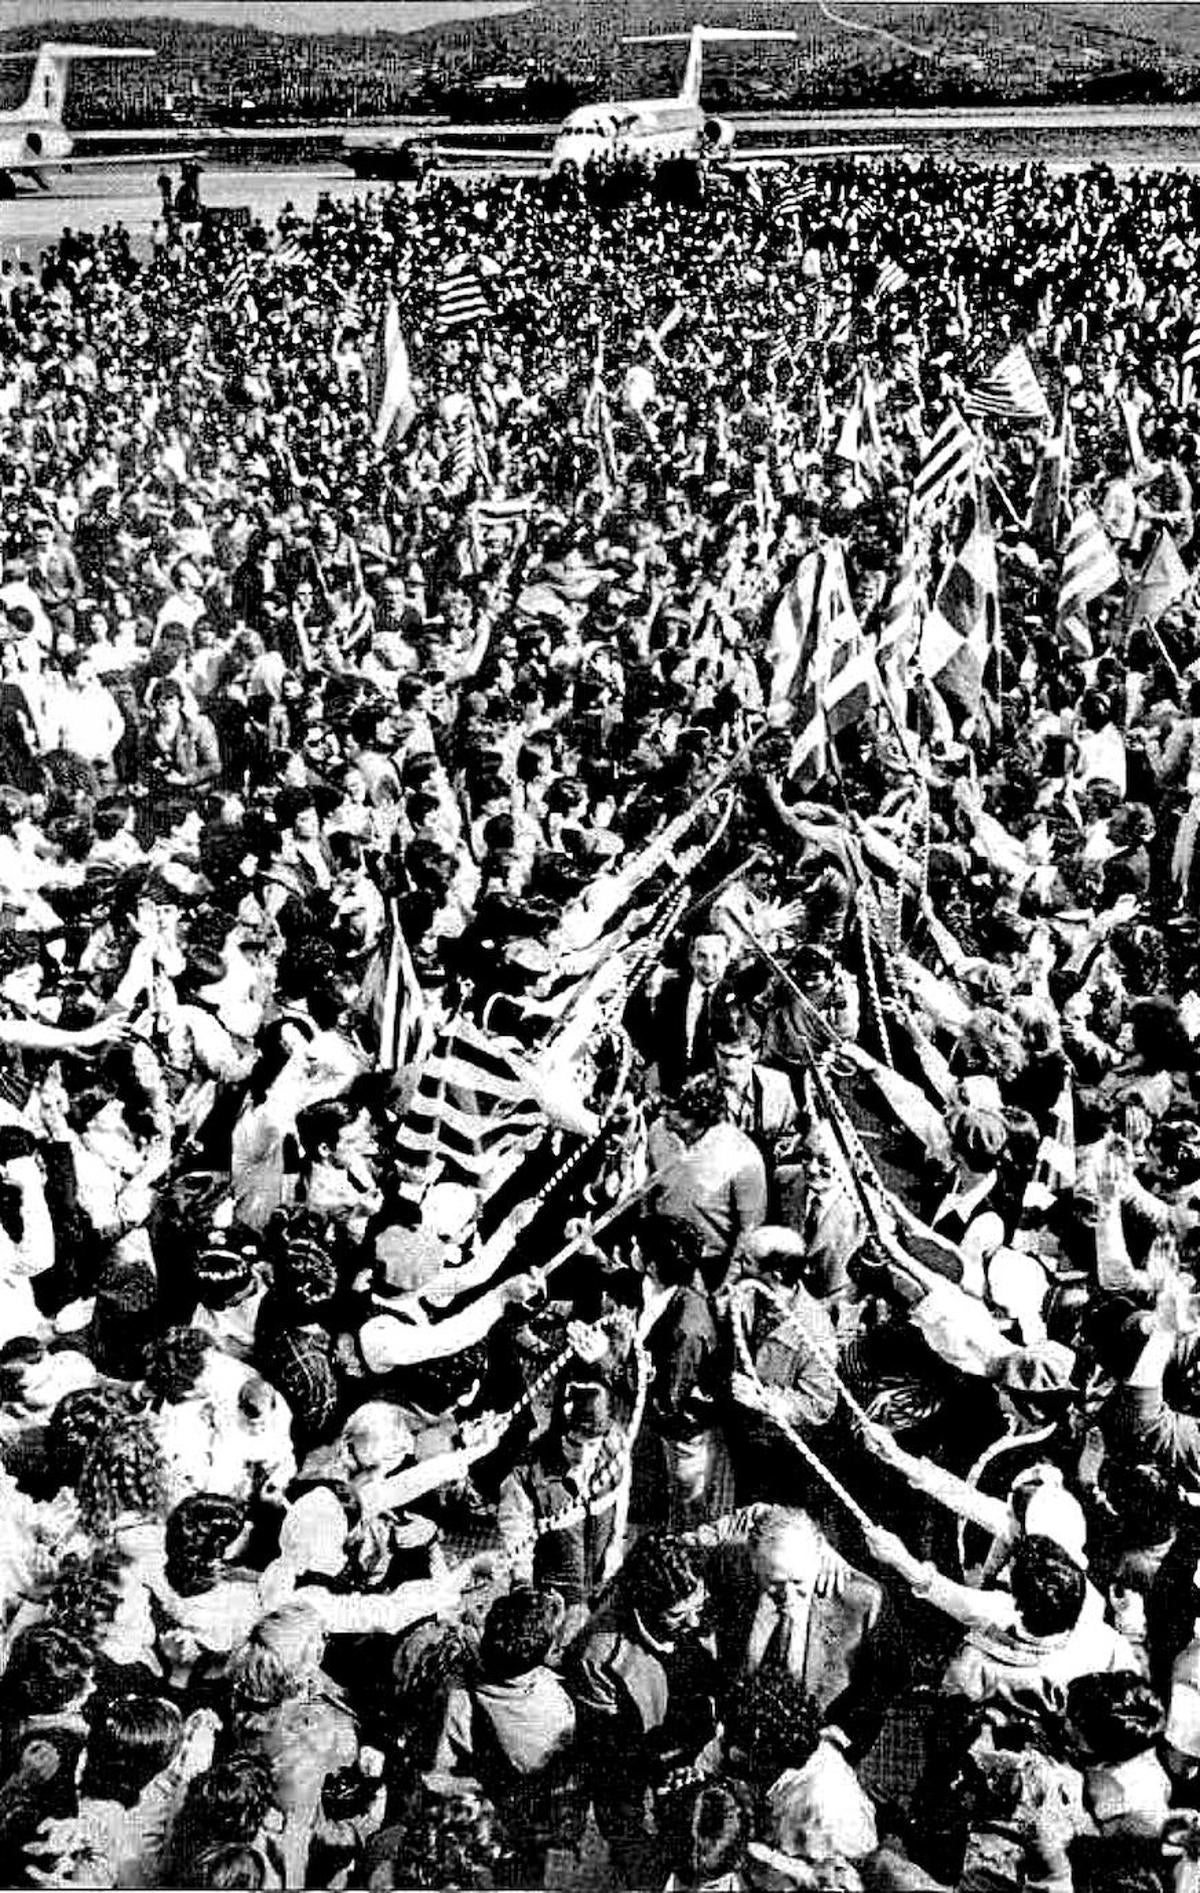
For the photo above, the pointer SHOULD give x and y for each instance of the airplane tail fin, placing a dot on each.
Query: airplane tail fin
(44, 101)
(697, 40)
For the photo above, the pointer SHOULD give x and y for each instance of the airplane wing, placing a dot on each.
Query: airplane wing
(781, 154)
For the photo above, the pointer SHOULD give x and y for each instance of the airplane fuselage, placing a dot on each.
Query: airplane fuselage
(625, 130)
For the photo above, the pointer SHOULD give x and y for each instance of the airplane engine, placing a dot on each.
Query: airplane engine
(718, 134)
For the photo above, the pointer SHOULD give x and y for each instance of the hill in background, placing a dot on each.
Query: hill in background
(557, 53)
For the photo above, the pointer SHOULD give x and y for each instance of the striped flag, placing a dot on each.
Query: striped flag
(288, 253)
(467, 451)
(389, 383)
(820, 663)
(1011, 392)
(892, 279)
(236, 290)
(477, 1101)
(462, 301)
(900, 626)
(795, 193)
(404, 1022)
(949, 461)
(1090, 568)
(961, 627)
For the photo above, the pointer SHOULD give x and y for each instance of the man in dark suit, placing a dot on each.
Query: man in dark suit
(671, 1025)
(782, 1598)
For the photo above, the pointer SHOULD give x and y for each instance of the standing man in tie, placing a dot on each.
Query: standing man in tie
(671, 1025)
(781, 1597)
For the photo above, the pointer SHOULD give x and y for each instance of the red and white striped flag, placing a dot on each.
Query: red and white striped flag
(948, 462)
(1012, 392)
(1090, 568)
(390, 380)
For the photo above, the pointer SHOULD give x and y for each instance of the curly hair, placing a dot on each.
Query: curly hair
(200, 1530)
(78, 1421)
(47, 1669)
(658, 1574)
(775, 1724)
(1048, 1587)
(518, 1632)
(705, 1825)
(226, 1804)
(175, 1363)
(123, 1471)
(85, 1594)
(451, 1840)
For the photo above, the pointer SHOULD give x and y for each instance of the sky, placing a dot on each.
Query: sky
(281, 16)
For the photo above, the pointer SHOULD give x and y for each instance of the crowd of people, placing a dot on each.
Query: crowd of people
(598, 1263)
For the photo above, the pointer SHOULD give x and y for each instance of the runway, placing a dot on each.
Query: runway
(87, 200)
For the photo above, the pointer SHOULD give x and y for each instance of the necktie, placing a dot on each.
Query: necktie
(782, 1653)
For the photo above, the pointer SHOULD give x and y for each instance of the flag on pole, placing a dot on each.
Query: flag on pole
(900, 626)
(288, 253)
(477, 1100)
(795, 193)
(948, 462)
(960, 629)
(1090, 568)
(1162, 580)
(1011, 392)
(404, 1021)
(819, 660)
(389, 379)
(891, 280)
(236, 291)
(467, 451)
(462, 301)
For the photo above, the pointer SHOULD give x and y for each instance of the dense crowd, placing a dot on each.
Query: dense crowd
(597, 1287)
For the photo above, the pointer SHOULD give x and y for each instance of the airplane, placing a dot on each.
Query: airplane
(33, 139)
(622, 130)
(618, 131)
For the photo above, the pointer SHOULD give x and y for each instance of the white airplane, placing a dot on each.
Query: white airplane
(621, 131)
(33, 139)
